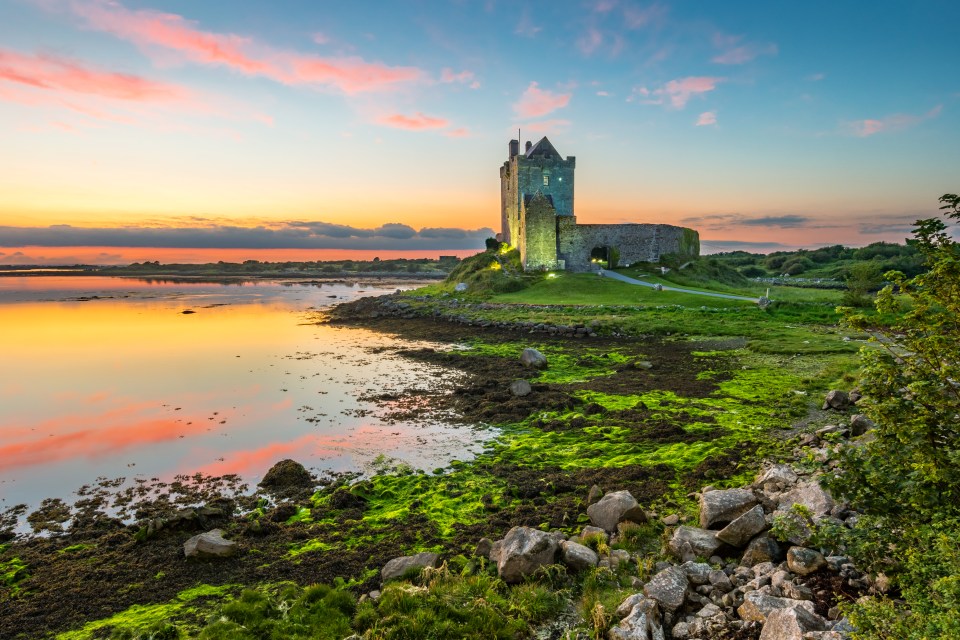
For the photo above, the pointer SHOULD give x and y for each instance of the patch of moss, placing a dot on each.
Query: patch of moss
(142, 618)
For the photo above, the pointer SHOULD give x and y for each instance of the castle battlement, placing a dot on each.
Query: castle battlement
(537, 217)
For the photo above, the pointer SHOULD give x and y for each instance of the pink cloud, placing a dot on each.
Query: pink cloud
(536, 102)
(151, 30)
(744, 53)
(416, 122)
(62, 75)
(677, 92)
(707, 118)
(636, 17)
(896, 122)
(461, 132)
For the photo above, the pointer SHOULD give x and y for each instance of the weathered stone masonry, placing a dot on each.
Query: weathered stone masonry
(536, 197)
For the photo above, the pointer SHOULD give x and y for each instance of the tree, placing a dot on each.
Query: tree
(492, 244)
(862, 279)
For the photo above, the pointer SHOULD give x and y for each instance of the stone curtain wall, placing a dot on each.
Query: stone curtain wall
(635, 242)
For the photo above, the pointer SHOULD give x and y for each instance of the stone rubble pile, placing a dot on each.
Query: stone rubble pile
(774, 587)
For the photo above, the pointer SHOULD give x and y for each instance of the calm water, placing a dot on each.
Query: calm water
(106, 377)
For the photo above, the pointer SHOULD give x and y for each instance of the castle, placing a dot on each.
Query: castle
(536, 202)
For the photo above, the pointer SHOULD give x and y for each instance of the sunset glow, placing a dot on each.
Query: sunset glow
(216, 131)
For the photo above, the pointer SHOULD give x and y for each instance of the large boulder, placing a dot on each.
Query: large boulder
(837, 400)
(523, 551)
(780, 475)
(287, 477)
(642, 623)
(614, 508)
(791, 624)
(578, 557)
(533, 358)
(757, 606)
(803, 561)
(669, 588)
(209, 545)
(724, 506)
(741, 531)
(398, 567)
(702, 543)
(811, 495)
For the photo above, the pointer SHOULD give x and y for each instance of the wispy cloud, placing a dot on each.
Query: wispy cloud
(745, 53)
(525, 27)
(895, 122)
(459, 132)
(723, 221)
(47, 72)
(156, 32)
(707, 118)
(677, 92)
(416, 122)
(536, 102)
(816, 77)
(590, 41)
(468, 78)
(294, 234)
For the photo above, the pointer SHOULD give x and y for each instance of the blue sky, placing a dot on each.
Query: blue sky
(754, 122)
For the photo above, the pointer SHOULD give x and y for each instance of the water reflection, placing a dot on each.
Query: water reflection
(126, 384)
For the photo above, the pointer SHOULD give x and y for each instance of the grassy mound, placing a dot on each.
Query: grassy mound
(493, 271)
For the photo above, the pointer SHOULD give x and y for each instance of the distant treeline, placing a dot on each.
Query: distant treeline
(833, 263)
(399, 266)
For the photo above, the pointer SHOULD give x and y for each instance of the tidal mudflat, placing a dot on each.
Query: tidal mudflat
(151, 378)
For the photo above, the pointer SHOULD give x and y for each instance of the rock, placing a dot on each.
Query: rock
(520, 388)
(681, 631)
(669, 588)
(701, 542)
(720, 581)
(796, 591)
(803, 561)
(744, 528)
(791, 624)
(855, 395)
(724, 506)
(671, 520)
(523, 551)
(484, 547)
(836, 399)
(397, 567)
(209, 545)
(761, 549)
(642, 623)
(495, 551)
(781, 474)
(461, 287)
(594, 494)
(614, 508)
(643, 364)
(578, 557)
(628, 604)
(287, 476)
(811, 495)
(758, 605)
(591, 531)
(698, 573)
(860, 424)
(533, 358)
(618, 557)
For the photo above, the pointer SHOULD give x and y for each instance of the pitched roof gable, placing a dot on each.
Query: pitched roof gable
(544, 149)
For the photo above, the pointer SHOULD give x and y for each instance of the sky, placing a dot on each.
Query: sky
(296, 129)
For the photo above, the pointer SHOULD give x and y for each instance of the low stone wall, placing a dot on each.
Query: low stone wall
(633, 242)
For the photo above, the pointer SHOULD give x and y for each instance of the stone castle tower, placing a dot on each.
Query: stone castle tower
(537, 217)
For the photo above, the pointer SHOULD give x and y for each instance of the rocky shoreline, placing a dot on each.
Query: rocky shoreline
(74, 575)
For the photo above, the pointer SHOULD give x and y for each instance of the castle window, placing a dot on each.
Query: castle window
(546, 180)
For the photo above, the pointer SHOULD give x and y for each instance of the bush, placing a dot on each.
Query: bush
(904, 478)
